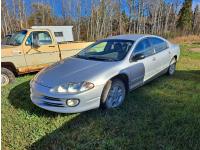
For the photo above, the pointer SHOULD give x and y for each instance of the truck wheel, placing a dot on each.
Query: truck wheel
(113, 94)
(7, 76)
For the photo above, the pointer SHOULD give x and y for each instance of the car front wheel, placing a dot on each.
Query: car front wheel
(113, 94)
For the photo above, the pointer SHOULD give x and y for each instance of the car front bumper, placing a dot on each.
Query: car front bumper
(42, 97)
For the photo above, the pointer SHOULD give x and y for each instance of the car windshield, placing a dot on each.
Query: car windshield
(107, 50)
(17, 38)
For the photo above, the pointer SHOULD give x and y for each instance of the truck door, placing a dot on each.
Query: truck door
(46, 52)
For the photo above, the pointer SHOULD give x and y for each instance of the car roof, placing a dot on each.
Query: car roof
(133, 37)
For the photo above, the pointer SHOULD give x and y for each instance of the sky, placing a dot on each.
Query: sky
(195, 2)
(57, 4)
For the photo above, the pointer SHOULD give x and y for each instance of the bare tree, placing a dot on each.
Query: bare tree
(97, 19)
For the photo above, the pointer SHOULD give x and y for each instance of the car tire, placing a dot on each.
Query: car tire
(113, 94)
(7, 76)
(172, 67)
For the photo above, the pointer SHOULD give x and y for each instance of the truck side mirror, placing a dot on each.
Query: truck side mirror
(35, 43)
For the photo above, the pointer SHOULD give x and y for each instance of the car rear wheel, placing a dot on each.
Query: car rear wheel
(7, 76)
(113, 94)
(172, 67)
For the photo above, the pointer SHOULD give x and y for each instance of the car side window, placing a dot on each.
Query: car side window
(144, 47)
(159, 44)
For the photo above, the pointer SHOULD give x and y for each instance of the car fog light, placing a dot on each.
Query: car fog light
(72, 102)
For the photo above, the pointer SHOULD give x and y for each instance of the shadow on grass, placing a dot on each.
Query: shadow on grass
(19, 97)
(145, 121)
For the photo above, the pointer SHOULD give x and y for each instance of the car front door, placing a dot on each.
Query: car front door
(143, 69)
(46, 53)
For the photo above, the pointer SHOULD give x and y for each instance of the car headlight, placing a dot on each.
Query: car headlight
(73, 87)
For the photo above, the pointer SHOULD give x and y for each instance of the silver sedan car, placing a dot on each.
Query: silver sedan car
(103, 73)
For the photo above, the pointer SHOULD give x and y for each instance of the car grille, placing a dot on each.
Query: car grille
(53, 104)
(51, 101)
(51, 98)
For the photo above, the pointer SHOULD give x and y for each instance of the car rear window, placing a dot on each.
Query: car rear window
(158, 44)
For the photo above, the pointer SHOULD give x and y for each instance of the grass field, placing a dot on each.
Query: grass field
(164, 114)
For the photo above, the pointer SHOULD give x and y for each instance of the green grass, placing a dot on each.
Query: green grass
(164, 114)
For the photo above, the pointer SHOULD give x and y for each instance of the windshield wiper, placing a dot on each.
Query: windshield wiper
(100, 58)
(94, 58)
(80, 56)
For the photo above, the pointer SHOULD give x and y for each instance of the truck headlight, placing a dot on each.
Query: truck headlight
(73, 87)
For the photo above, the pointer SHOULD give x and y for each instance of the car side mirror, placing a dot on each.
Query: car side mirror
(35, 43)
(138, 57)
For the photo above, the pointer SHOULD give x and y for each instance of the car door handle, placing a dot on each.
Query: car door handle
(51, 46)
(154, 58)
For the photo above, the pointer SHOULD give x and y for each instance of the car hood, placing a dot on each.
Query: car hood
(71, 70)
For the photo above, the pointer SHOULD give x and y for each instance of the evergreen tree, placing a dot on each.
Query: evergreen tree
(185, 17)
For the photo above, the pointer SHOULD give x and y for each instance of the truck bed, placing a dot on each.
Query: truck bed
(72, 48)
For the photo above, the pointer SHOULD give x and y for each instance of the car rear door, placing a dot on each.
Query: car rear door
(162, 52)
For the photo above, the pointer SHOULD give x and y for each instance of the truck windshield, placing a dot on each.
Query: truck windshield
(17, 38)
(107, 50)
(5, 40)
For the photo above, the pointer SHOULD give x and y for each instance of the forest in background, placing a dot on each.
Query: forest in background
(102, 18)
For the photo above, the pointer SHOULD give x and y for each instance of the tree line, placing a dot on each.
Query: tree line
(97, 19)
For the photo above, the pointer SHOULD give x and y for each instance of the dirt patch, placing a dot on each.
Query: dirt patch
(186, 39)
(197, 49)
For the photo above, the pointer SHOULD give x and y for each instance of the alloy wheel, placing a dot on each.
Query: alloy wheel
(116, 95)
